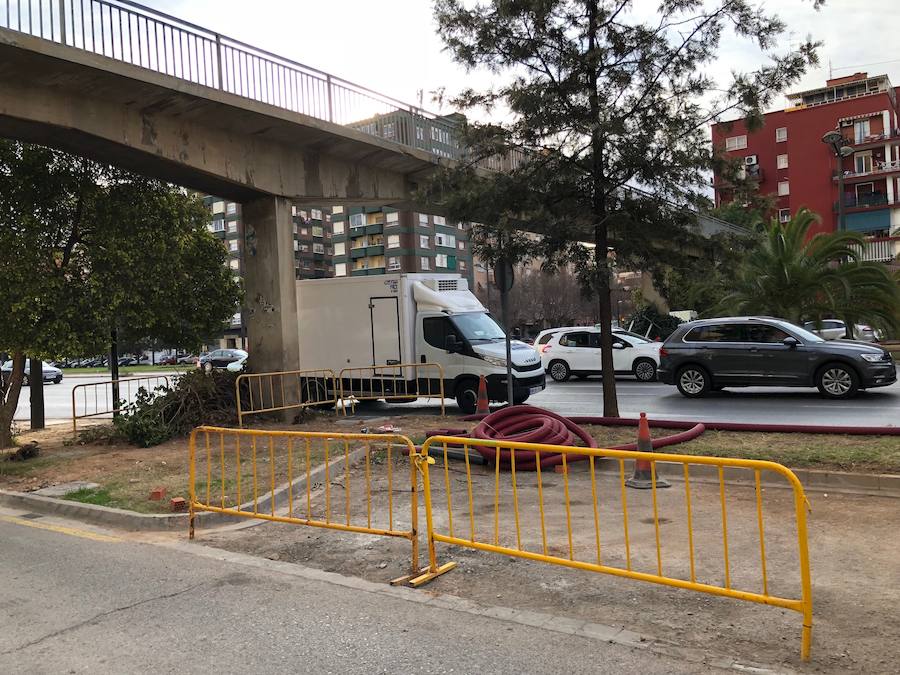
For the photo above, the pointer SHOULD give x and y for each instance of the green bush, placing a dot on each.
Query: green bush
(197, 398)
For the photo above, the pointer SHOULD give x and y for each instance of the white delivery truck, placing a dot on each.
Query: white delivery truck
(392, 319)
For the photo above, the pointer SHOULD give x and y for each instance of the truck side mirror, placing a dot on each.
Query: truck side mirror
(452, 345)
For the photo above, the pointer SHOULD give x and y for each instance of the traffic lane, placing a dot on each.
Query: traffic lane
(756, 405)
(78, 605)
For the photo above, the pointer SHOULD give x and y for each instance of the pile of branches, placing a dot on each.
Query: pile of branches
(197, 398)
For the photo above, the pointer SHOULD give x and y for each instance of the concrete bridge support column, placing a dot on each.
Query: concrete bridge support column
(270, 305)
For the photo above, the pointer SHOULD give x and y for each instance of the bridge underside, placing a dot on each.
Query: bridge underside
(190, 134)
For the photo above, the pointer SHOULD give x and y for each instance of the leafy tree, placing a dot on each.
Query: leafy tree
(85, 248)
(602, 98)
(802, 278)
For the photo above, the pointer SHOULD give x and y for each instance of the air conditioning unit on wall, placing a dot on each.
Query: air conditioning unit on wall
(750, 160)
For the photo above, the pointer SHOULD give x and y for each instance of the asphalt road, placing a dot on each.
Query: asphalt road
(875, 407)
(72, 604)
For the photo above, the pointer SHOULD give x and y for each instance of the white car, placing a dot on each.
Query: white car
(835, 329)
(577, 352)
(546, 335)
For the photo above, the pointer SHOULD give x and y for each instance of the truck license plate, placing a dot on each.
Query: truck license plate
(535, 390)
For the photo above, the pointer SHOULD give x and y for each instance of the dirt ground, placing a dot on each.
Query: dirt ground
(854, 554)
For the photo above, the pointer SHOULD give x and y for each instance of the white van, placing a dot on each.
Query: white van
(389, 319)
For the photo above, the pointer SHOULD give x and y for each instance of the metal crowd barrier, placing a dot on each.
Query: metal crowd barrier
(528, 499)
(283, 390)
(391, 383)
(97, 405)
(269, 475)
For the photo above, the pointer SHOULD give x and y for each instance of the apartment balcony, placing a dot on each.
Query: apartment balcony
(358, 252)
(375, 228)
(374, 250)
(363, 271)
(872, 200)
(873, 140)
(879, 168)
(881, 249)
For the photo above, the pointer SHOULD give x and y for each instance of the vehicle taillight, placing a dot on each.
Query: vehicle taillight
(663, 351)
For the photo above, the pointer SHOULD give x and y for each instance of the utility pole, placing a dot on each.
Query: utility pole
(36, 393)
(114, 367)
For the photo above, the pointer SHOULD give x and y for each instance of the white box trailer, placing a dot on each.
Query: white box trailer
(392, 319)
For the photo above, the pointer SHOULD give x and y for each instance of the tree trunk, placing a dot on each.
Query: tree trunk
(601, 233)
(9, 395)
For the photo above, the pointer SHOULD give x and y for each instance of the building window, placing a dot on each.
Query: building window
(440, 220)
(393, 241)
(337, 209)
(318, 248)
(424, 241)
(780, 135)
(736, 143)
(304, 248)
(863, 162)
(357, 219)
(233, 245)
(392, 217)
(784, 215)
(784, 188)
(462, 265)
(393, 264)
(340, 270)
(339, 227)
(293, 209)
(218, 225)
(440, 260)
(340, 248)
(423, 219)
(316, 214)
(447, 240)
(388, 130)
(420, 133)
(296, 245)
(218, 207)
(861, 130)
(782, 161)
(304, 231)
(317, 231)
(461, 226)
(232, 226)
(231, 208)
(426, 263)
(234, 264)
(462, 246)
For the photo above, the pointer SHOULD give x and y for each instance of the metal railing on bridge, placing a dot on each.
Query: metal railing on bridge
(143, 37)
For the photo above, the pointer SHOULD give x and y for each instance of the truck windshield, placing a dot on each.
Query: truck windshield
(478, 327)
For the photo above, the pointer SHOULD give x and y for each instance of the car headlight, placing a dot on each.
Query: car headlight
(872, 358)
(498, 361)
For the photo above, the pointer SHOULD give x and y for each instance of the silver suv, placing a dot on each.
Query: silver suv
(752, 351)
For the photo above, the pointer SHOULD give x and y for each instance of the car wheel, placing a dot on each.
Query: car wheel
(559, 371)
(467, 396)
(645, 370)
(693, 381)
(57, 380)
(836, 380)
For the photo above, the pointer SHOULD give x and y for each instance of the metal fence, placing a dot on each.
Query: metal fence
(259, 393)
(575, 534)
(143, 37)
(107, 397)
(396, 382)
(270, 475)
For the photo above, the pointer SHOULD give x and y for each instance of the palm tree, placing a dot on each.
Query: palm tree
(801, 278)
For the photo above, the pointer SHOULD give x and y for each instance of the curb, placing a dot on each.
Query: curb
(145, 522)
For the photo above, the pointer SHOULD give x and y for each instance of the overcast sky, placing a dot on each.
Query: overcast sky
(392, 46)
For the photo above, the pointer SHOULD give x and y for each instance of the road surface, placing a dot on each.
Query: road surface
(75, 604)
(875, 407)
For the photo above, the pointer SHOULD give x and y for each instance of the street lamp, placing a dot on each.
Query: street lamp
(840, 146)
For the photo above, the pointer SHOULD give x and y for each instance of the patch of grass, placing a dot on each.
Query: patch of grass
(15, 469)
(97, 496)
(127, 370)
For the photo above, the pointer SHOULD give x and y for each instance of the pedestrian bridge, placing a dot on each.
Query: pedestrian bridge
(120, 83)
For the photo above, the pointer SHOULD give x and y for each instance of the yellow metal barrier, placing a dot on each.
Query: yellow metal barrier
(539, 505)
(283, 390)
(258, 474)
(401, 381)
(97, 404)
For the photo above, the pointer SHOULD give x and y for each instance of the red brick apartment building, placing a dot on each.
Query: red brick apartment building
(789, 159)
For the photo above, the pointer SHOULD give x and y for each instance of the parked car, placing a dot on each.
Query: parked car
(220, 358)
(577, 352)
(190, 359)
(49, 373)
(835, 329)
(708, 355)
(237, 366)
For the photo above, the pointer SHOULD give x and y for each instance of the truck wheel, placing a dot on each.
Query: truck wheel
(645, 370)
(835, 380)
(559, 371)
(467, 396)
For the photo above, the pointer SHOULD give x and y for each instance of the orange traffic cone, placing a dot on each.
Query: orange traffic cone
(483, 407)
(642, 479)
